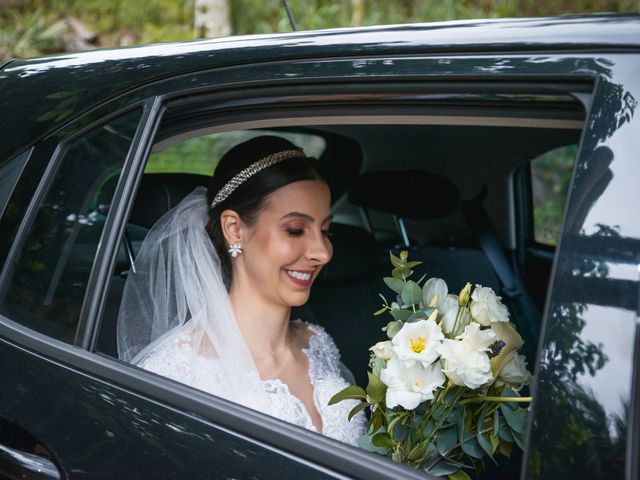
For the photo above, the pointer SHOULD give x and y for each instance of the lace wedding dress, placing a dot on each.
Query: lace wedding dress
(176, 359)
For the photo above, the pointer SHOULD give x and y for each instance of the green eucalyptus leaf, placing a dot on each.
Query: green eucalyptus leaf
(412, 264)
(496, 423)
(376, 390)
(442, 468)
(517, 418)
(460, 424)
(505, 449)
(482, 439)
(381, 311)
(459, 475)
(505, 432)
(418, 451)
(447, 438)
(377, 419)
(349, 393)
(411, 293)
(455, 415)
(393, 328)
(485, 445)
(519, 438)
(493, 441)
(365, 442)
(357, 409)
(394, 284)
(471, 447)
(400, 432)
(428, 428)
(401, 273)
(400, 314)
(395, 261)
(382, 440)
(438, 411)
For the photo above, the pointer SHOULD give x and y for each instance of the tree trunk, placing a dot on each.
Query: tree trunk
(357, 7)
(211, 18)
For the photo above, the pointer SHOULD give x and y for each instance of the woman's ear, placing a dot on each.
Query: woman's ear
(230, 223)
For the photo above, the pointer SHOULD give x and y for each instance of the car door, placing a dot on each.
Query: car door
(585, 418)
(69, 413)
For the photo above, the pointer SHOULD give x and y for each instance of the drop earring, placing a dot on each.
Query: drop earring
(235, 249)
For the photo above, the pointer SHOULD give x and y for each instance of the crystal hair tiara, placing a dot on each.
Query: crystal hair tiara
(245, 174)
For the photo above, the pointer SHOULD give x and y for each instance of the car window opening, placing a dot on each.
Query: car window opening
(403, 206)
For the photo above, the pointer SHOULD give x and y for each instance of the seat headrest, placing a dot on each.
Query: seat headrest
(355, 254)
(159, 192)
(411, 194)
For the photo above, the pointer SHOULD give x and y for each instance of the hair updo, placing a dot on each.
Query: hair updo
(248, 199)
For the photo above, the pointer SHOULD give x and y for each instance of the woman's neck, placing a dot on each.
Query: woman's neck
(264, 325)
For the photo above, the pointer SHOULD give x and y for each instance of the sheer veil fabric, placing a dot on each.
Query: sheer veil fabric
(178, 293)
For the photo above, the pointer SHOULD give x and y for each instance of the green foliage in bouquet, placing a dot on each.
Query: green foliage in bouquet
(443, 391)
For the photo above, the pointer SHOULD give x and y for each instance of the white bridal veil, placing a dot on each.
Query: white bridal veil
(178, 295)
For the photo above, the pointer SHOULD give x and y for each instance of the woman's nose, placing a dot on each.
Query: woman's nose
(320, 250)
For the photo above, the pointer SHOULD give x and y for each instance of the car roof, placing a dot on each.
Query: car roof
(38, 95)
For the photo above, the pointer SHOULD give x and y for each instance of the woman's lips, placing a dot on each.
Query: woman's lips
(303, 278)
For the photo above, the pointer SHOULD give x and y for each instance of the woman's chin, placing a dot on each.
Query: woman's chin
(296, 299)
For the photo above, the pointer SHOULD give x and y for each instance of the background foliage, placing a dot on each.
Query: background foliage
(35, 27)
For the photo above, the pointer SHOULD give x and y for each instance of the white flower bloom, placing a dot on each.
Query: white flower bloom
(486, 307)
(515, 372)
(465, 359)
(450, 309)
(432, 287)
(383, 350)
(410, 386)
(418, 342)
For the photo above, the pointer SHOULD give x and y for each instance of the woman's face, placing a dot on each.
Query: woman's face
(288, 244)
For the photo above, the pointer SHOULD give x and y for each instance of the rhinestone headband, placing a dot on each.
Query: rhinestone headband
(250, 171)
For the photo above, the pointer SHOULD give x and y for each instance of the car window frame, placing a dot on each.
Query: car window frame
(228, 91)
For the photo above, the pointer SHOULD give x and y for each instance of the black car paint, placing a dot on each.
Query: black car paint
(597, 229)
(73, 83)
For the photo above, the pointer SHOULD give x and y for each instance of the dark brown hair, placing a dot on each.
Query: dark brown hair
(248, 199)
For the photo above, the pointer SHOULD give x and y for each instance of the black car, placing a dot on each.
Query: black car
(501, 152)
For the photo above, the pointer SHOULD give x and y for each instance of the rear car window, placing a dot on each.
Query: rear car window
(9, 173)
(550, 177)
(45, 286)
(200, 155)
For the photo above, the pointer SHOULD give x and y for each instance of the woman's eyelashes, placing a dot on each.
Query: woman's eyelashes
(295, 232)
(298, 232)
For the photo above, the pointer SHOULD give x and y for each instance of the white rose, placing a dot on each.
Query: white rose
(465, 359)
(515, 372)
(486, 307)
(450, 309)
(418, 342)
(434, 289)
(410, 386)
(383, 350)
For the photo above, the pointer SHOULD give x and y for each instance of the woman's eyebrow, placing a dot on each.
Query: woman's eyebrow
(305, 216)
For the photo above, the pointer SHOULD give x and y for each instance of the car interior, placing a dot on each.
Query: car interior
(450, 183)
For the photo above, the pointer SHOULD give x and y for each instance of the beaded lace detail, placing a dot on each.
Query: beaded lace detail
(177, 361)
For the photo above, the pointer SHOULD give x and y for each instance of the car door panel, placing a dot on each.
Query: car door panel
(585, 404)
(97, 430)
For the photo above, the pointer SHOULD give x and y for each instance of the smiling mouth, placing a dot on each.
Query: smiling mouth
(303, 278)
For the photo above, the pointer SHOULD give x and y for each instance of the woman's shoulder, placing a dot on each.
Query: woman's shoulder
(177, 359)
(312, 335)
(319, 346)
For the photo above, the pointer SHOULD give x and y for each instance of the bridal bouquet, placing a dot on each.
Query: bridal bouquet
(443, 390)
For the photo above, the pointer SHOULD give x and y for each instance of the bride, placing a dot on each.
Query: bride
(216, 278)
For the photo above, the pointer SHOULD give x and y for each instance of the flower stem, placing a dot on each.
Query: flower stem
(497, 399)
